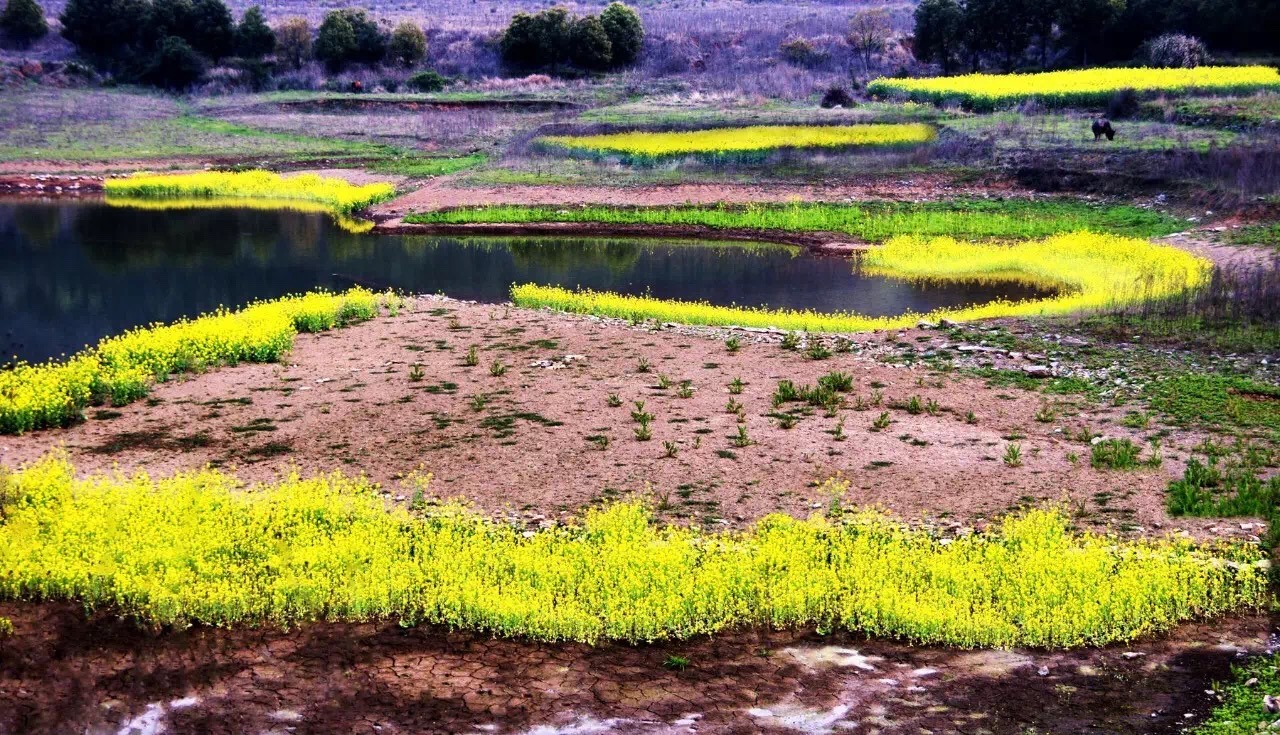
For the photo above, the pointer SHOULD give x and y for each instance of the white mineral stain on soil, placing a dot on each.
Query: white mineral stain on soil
(582, 725)
(799, 719)
(150, 722)
(833, 656)
(992, 663)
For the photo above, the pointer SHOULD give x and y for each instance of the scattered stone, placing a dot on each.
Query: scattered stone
(1271, 703)
(1038, 371)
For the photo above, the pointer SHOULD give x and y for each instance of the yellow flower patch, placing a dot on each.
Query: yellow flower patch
(1089, 271)
(728, 141)
(200, 548)
(1077, 87)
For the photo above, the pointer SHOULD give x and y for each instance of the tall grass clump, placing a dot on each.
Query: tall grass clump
(1088, 272)
(870, 221)
(337, 194)
(721, 144)
(198, 548)
(121, 369)
(1079, 87)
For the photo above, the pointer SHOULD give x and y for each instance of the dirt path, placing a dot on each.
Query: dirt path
(541, 442)
(1206, 243)
(62, 673)
(444, 192)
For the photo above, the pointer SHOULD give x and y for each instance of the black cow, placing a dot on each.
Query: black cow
(1101, 127)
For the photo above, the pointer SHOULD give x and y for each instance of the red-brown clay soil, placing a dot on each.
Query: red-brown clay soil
(62, 673)
(347, 400)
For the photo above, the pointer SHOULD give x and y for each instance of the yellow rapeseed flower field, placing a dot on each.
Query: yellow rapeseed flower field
(721, 142)
(984, 92)
(200, 548)
(1089, 271)
(122, 368)
(337, 194)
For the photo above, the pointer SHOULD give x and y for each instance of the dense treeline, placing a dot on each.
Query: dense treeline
(171, 43)
(554, 40)
(22, 22)
(1009, 34)
(165, 42)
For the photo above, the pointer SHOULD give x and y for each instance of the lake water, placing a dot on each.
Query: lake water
(74, 272)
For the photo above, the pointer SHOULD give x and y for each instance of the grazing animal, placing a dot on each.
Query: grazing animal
(357, 86)
(1101, 127)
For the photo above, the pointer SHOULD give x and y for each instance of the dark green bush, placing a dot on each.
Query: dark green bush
(408, 45)
(254, 38)
(176, 65)
(426, 81)
(349, 36)
(23, 22)
(626, 33)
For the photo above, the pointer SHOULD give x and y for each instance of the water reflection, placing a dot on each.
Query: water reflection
(73, 272)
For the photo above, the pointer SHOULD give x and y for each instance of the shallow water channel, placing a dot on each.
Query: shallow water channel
(72, 272)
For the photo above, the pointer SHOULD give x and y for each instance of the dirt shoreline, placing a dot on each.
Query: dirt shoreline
(821, 243)
(66, 672)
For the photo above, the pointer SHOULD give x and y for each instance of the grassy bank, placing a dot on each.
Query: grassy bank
(199, 548)
(871, 221)
(1090, 272)
(122, 369)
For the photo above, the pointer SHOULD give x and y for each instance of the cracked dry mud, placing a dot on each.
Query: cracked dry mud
(63, 673)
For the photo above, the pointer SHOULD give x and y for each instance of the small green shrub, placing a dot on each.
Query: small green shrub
(426, 81)
(1115, 454)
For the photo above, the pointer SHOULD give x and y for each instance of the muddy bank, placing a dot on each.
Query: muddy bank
(63, 672)
(50, 185)
(822, 243)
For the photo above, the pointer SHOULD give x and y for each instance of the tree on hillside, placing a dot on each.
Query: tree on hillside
(175, 65)
(1084, 23)
(625, 31)
(538, 40)
(371, 41)
(336, 42)
(408, 44)
(938, 33)
(869, 30)
(168, 18)
(254, 38)
(23, 22)
(212, 30)
(1000, 27)
(293, 42)
(101, 28)
(589, 46)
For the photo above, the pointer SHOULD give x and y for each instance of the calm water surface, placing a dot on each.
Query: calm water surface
(74, 272)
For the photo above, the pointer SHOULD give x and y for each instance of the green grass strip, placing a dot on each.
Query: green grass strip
(1242, 711)
(870, 221)
(199, 548)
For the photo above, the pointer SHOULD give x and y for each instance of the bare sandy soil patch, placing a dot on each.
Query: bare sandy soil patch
(541, 441)
(444, 193)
